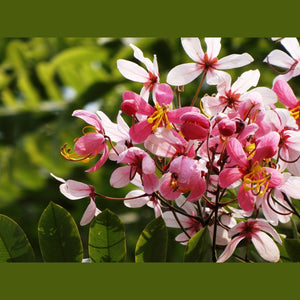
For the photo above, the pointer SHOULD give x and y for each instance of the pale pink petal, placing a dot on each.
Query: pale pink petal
(265, 226)
(213, 47)
(279, 58)
(291, 187)
(275, 177)
(75, 190)
(193, 49)
(245, 81)
(58, 178)
(132, 71)
(229, 176)
(229, 249)
(158, 146)
(214, 77)
(292, 46)
(120, 177)
(88, 117)
(148, 165)
(89, 213)
(265, 246)
(184, 74)
(116, 131)
(268, 96)
(234, 61)
(139, 202)
(166, 190)
(172, 222)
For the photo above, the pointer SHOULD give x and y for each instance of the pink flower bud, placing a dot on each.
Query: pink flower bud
(227, 127)
(195, 126)
(129, 107)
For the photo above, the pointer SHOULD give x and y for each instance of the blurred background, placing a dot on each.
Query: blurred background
(42, 81)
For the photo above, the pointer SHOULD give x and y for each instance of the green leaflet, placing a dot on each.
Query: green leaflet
(58, 234)
(14, 245)
(199, 247)
(152, 243)
(107, 241)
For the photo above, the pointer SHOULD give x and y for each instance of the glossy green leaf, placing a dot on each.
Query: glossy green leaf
(152, 243)
(199, 247)
(14, 245)
(59, 237)
(292, 247)
(107, 241)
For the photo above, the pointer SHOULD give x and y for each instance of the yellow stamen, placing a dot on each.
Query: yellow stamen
(250, 150)
(257, 179)
(160, 115)
(295, 112)
(74, 156)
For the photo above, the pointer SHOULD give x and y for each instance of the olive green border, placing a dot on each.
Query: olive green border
(148, 18)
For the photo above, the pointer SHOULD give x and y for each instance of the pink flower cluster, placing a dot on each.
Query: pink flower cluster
(231, 164)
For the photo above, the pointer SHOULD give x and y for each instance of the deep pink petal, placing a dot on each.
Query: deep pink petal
(151, 183)
(166, 190)
(246, 199)
(140, 131)
(285, 93)
(174, 116)
(90, 144)
(101, 161)
(230, 176)
(236, 152)
(164, 94)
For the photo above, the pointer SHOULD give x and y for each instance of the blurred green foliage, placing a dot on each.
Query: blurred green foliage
(42, 80)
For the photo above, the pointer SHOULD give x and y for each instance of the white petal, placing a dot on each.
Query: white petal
(139, 202)
(229, 249)
(132, 71)
(265, 246)
(213, 47)
(279, 58)
(193, 49)
(184, 74)
(292, 46)
(234, 61)
(172, 222)
(245, 81)
(138, 54)
(265, 226)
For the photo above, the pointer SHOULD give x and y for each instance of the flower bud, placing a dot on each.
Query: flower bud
(195, 126)
(129, 107)
(227, 127)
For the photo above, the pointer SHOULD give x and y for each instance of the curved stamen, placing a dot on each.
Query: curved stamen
(74, 156)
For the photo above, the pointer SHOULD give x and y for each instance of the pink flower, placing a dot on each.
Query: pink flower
(138, 162)
(287, 97)
(154, 117)
(256, 177)
(205, 62)
(134, 72)
(254, 230)
(283, 60)
(90, 144)
(184, 176)
(75, 190)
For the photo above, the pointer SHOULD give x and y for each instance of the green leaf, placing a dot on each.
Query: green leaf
(14, 245)
(59, 237)
(199, 247)
(152, 243)
(292, 247)
(107, 241)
